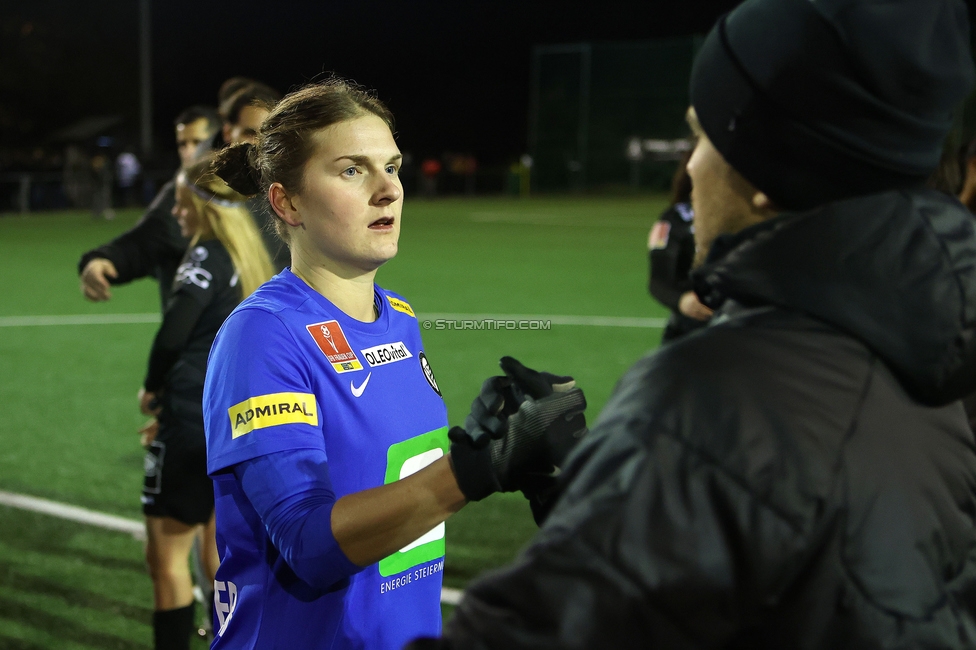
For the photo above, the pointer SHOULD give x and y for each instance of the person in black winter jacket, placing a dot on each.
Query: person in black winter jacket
(800, 473)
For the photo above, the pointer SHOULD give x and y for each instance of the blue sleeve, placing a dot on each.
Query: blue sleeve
(292, 493)
(259, 396)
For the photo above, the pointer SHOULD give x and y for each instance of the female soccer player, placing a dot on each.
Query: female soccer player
(327, 435)
(225, 261)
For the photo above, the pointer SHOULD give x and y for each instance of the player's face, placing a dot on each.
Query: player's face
(352, 197)
(189, 138)
(185, 212)
(720, 196)
(248, 123)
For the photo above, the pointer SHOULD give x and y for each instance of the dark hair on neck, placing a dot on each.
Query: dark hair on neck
(284, 142)
(253, 94)
(194, 113)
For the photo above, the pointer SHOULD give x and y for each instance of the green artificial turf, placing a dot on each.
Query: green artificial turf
(68, 392)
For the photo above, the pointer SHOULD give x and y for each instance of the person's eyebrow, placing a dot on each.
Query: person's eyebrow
(362, 160)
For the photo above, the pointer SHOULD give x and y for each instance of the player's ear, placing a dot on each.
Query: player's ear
(283, 205)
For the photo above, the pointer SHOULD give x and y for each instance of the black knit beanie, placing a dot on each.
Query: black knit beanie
(818, 100)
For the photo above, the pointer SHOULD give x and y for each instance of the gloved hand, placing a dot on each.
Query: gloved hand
(542, 489)
(520, 428)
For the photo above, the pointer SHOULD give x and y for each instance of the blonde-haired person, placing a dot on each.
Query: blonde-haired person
(225, 262)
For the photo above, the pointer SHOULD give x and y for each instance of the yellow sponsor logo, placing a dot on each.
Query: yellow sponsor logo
(271, 410)
(399, 305)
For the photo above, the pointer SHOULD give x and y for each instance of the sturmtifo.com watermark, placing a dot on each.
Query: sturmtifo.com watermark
(487, 324)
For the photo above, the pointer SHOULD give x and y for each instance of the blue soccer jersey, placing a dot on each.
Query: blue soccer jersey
(290, 371)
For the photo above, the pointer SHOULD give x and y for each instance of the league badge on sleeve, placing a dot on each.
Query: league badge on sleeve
(332, 342)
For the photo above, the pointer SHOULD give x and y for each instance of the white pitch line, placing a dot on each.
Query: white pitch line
(73, 513)
(451, 596)
(78, 319)
(121, 319)
(131, 526)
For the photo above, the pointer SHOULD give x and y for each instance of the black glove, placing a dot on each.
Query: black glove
(542, 488)
(520, 429)
(562, 433)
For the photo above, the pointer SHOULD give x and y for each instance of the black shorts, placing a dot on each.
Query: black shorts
(176, 483)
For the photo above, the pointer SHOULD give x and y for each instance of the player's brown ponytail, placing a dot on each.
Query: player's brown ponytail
(233, 164)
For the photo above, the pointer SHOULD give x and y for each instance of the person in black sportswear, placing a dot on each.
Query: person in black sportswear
(154, 246)
(800, 473)
(225, 262)
(670, 251)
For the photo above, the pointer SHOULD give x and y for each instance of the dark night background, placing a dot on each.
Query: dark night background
(455, 74)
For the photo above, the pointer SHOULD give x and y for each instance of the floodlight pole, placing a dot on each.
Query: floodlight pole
(145, 78)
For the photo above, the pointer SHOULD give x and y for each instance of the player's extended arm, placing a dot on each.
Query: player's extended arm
(324, 540)
(136, 252)
(507, 441)
(374, 523)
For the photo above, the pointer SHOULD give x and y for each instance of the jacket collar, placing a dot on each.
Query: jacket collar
(896, 270)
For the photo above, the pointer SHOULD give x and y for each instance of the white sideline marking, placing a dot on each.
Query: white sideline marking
(78, 319)
(118, 319)
(110, 522)
(73, 513)
(450, 596)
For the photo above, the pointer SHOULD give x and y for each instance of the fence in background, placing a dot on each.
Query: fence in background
(590, 100)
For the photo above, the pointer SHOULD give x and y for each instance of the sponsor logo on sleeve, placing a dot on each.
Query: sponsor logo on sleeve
(659, 235)
(271, 410)
(386, 353)
(332, 342)
(400, 305)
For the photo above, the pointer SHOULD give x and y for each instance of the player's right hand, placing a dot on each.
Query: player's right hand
(520, 428)
(95, 276)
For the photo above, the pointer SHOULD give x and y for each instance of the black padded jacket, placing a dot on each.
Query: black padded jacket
(799, 474)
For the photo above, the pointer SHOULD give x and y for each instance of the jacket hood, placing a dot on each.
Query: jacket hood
(896, 270)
